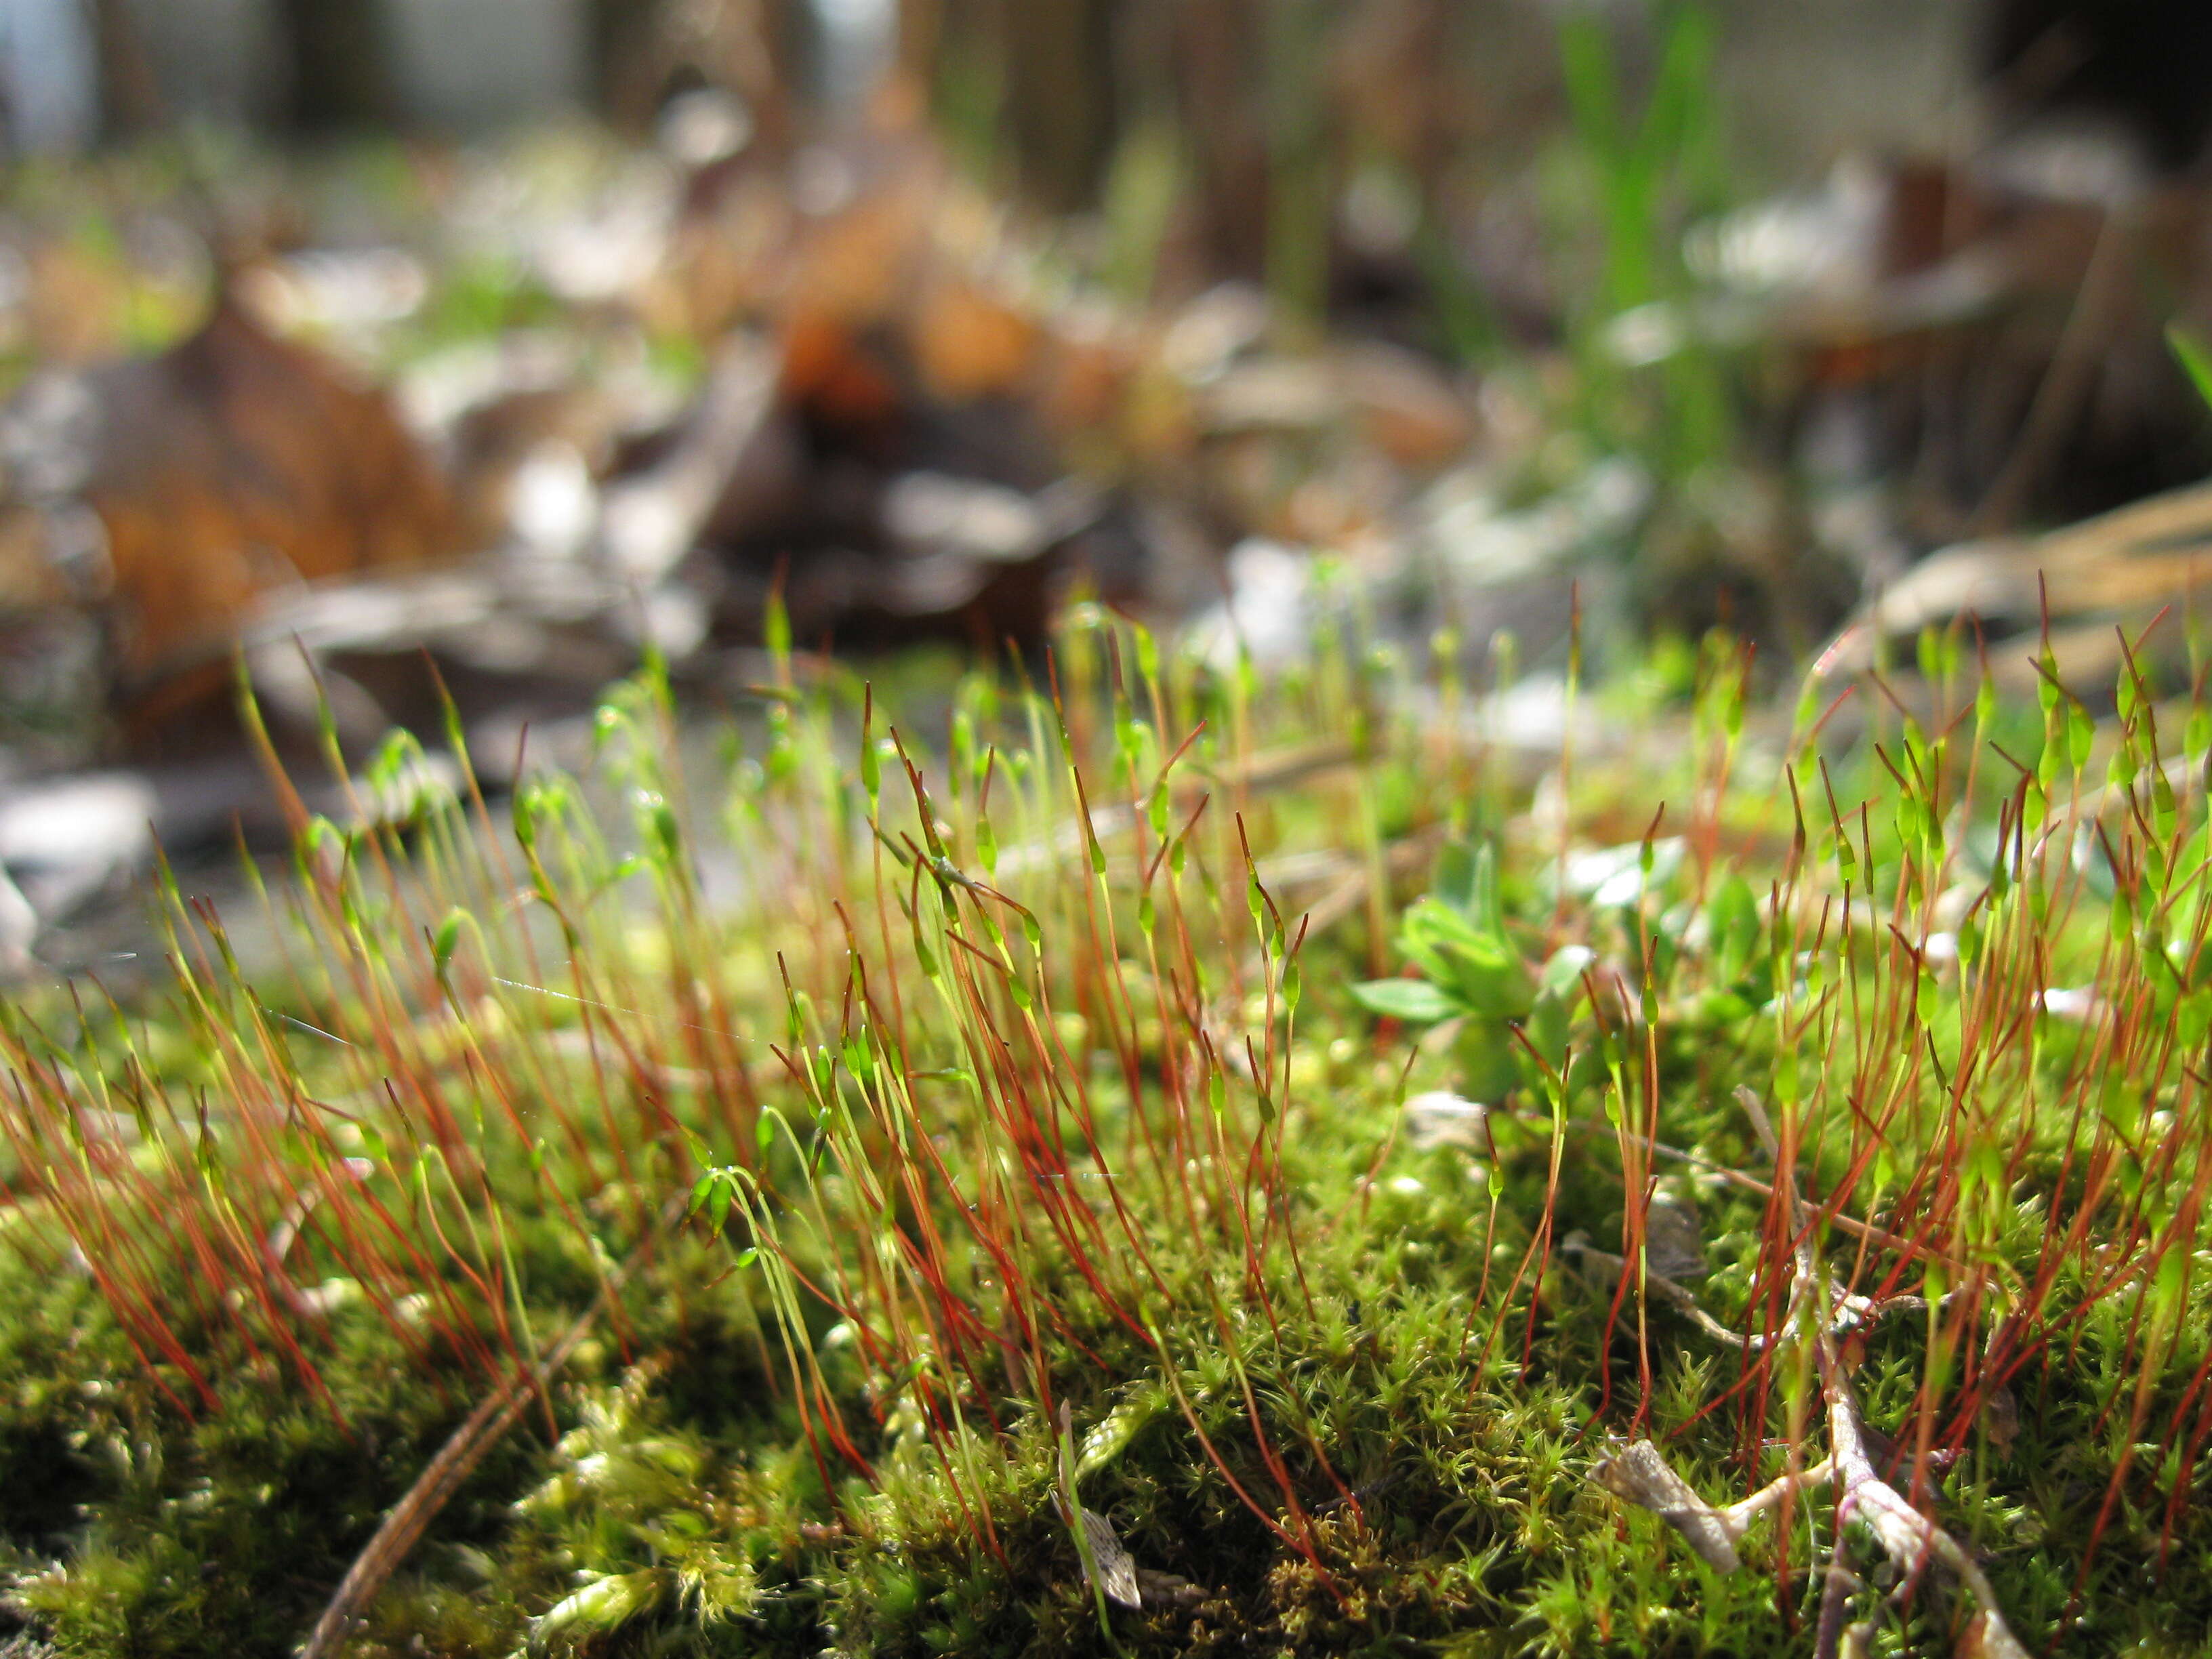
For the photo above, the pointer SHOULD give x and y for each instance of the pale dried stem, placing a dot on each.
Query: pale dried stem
(1908, 1538)
(1738, 1516)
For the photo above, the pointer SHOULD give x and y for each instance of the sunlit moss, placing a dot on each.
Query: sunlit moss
(923, 1134)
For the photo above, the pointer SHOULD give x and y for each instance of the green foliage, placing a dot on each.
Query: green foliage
(2189, 350)
(1651, 162)
(1037, 1073)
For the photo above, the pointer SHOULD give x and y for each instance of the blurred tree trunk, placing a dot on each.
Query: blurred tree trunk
(129, 94)
(1219, 74)
(341, 69)
(1273, 107)
(1061, 101)
(1048, 70)
(645, 50)
(627, 60)
(1067, 77)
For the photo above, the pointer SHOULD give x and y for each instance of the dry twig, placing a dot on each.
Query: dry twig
(1638, 1473)
(482, 1429)
(1908, 1538)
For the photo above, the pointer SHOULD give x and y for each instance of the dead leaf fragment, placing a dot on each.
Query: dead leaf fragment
(2133, 560)
(1117, 1570)
(1438, 1117)
(971, 343)
(1408, 410)
(1168, 1589)
(235, 464)
(1674, 1242)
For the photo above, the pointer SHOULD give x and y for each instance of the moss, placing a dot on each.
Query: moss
(979, 1121)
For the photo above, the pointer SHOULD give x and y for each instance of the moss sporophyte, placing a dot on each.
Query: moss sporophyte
(1192, 1162)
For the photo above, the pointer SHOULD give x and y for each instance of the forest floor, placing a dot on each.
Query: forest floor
(1367, 1009)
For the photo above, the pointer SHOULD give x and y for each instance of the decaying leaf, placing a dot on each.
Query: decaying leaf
(2000, 1416)
(1411, 413)
(649, 521)
(1116, 1571)
(971, 343)
(1106, 1565)
(1638, 1473)
(1438, 1117)
(234, 464)
(1168, 1589)
(1674, 1242)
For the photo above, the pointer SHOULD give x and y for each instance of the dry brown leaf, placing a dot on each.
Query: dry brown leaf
(970, 343)
(835, 377)
(1405, 408)
(1086, 382)
(860, 263)
(1167, 1589)
(1674, 1242)
(237, 463)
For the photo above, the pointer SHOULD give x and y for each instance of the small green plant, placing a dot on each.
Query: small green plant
(1516, 1020)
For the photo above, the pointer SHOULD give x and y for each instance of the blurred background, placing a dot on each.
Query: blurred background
(403, 354)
